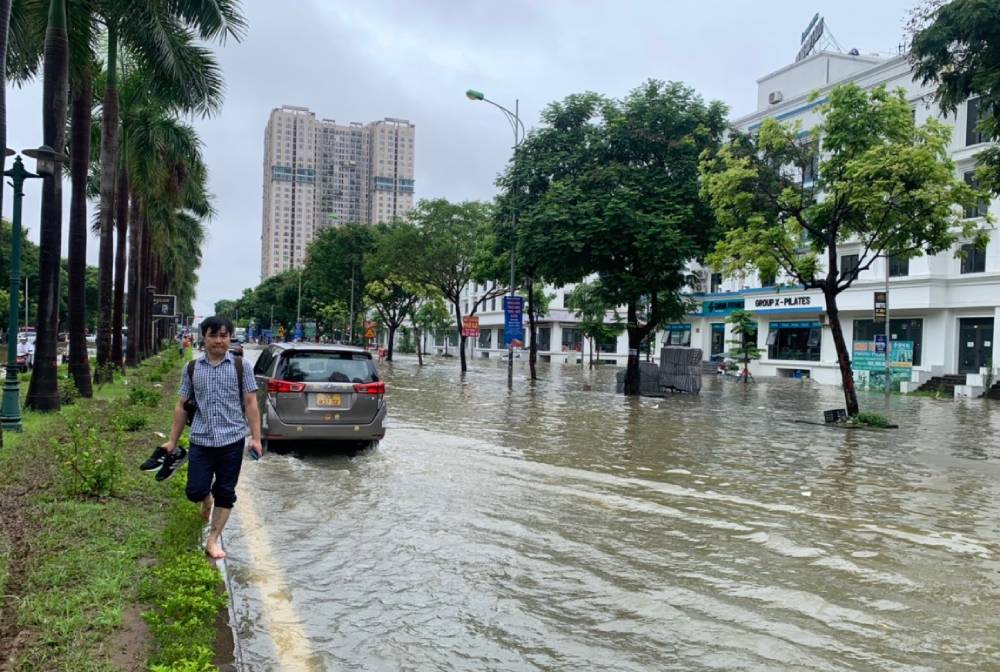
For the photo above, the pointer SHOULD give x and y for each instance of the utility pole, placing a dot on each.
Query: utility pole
(350, 325)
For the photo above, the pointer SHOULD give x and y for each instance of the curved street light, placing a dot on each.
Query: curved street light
(514, 119)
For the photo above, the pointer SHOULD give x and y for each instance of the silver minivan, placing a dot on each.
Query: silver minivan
(312, 391)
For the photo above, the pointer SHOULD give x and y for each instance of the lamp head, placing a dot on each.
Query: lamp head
(46, 159)
(472, 94)
(9, 152)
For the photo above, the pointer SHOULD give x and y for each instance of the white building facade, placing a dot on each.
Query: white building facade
(947, 307)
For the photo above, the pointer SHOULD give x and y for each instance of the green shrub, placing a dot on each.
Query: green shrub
(872, 419)
(129, 420)
(68, 394)
(156, 377)
(90, 463)
(144, 396)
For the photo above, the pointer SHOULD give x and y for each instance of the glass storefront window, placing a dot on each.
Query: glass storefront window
(799, 341)
(485, 341)
(678, 335)
(545, 338)
(572, 339)
(905, 329)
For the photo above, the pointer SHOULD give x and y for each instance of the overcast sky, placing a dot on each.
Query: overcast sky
(362, 61)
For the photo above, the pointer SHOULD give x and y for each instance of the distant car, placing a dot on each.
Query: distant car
(236, 349)
(311, 391)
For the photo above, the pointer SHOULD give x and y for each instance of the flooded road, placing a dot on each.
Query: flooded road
(563, 527)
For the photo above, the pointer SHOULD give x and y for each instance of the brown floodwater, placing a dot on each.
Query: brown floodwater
(560, 526)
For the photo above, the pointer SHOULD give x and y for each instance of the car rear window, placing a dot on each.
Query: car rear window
(327, 367)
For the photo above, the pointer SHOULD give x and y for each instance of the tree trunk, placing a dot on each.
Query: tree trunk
(420, 346)
(461, 337)
(79, 361)
(592, 346)
(392, 339)
(109, 161)
(121, 233)
(134, 289)
(843, 356)
(4, 26)
(43, 391)
(144, 280)
(634, 338)
(532, 332)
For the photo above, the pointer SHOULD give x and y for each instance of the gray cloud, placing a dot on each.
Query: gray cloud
(354, 61)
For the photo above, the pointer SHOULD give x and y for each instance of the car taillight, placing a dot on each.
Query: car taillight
(281, 386)
(370, 388)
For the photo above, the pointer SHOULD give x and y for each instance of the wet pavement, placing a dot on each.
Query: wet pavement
(564, 527)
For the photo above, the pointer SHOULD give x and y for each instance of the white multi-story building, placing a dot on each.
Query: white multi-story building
(947, 307)
(319, 173)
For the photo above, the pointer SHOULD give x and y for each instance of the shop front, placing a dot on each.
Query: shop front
(975, 344)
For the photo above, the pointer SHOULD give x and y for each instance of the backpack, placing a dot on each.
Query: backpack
(191, 405)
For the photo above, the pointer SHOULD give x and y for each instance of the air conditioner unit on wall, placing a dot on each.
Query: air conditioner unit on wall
(775, 97)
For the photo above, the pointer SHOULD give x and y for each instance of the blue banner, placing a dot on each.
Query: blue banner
(513, 321)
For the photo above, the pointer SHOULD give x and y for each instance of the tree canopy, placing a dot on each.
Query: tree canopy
(866, 176)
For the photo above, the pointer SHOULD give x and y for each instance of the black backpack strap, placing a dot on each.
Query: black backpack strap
(239, 379)
(190, 368)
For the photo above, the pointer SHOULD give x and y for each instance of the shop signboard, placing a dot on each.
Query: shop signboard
(164, 305)
(470, 326)
(791, 301)
(881, 306)
(869, 364)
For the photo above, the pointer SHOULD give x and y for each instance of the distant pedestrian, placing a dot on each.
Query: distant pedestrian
(218, 431)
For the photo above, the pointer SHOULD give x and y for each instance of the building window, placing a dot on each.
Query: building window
(544, 338)
(572, 339)
(982, 206)
(898, 266)
(794, 341)
(973, 259)
(849, 266)
(899, 330)
(485, 339)
(973, 136)
(678, 335)
(715, 282)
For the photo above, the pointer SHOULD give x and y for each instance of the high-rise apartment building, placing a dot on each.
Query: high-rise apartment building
(319, 173)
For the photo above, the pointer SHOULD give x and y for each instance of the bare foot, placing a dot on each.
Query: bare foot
(213, 549)
(206, 508)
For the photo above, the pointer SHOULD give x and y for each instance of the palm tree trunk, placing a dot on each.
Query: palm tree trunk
(4, 25)
(79, 362)
(43, 392)
(145, 279)
(134, 289)
(109, 161)
(121, 225)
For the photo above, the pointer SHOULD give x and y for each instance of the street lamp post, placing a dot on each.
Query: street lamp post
(514, 119)
(10, 412)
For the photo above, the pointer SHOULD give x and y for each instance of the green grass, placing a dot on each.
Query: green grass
(82, 568)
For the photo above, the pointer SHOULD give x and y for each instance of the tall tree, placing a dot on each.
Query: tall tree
(388, 291)
(43, 393)
(883, 185)
(613, 191)
(956, 45)
(452, 246)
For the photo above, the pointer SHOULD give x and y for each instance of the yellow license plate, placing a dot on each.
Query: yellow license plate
(328, 400)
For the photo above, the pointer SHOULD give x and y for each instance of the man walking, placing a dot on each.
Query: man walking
(219, 428)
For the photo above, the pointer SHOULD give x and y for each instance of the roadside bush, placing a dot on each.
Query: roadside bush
(156, 377)
(185, 593)
(129, 420)
(68, 394)
(872, 419)
(144, 396)
(89, 463)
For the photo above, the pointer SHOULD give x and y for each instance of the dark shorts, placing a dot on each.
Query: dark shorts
(214, 470)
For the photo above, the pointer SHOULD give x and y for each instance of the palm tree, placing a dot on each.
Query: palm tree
(162, 37)
(43, 392)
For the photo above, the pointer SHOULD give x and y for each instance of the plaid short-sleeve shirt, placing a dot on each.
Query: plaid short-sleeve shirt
(219, 420)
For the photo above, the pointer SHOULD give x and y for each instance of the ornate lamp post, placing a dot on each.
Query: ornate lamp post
(514, 120)
(46, 157)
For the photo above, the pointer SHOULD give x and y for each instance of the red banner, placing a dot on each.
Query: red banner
(470, 326)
